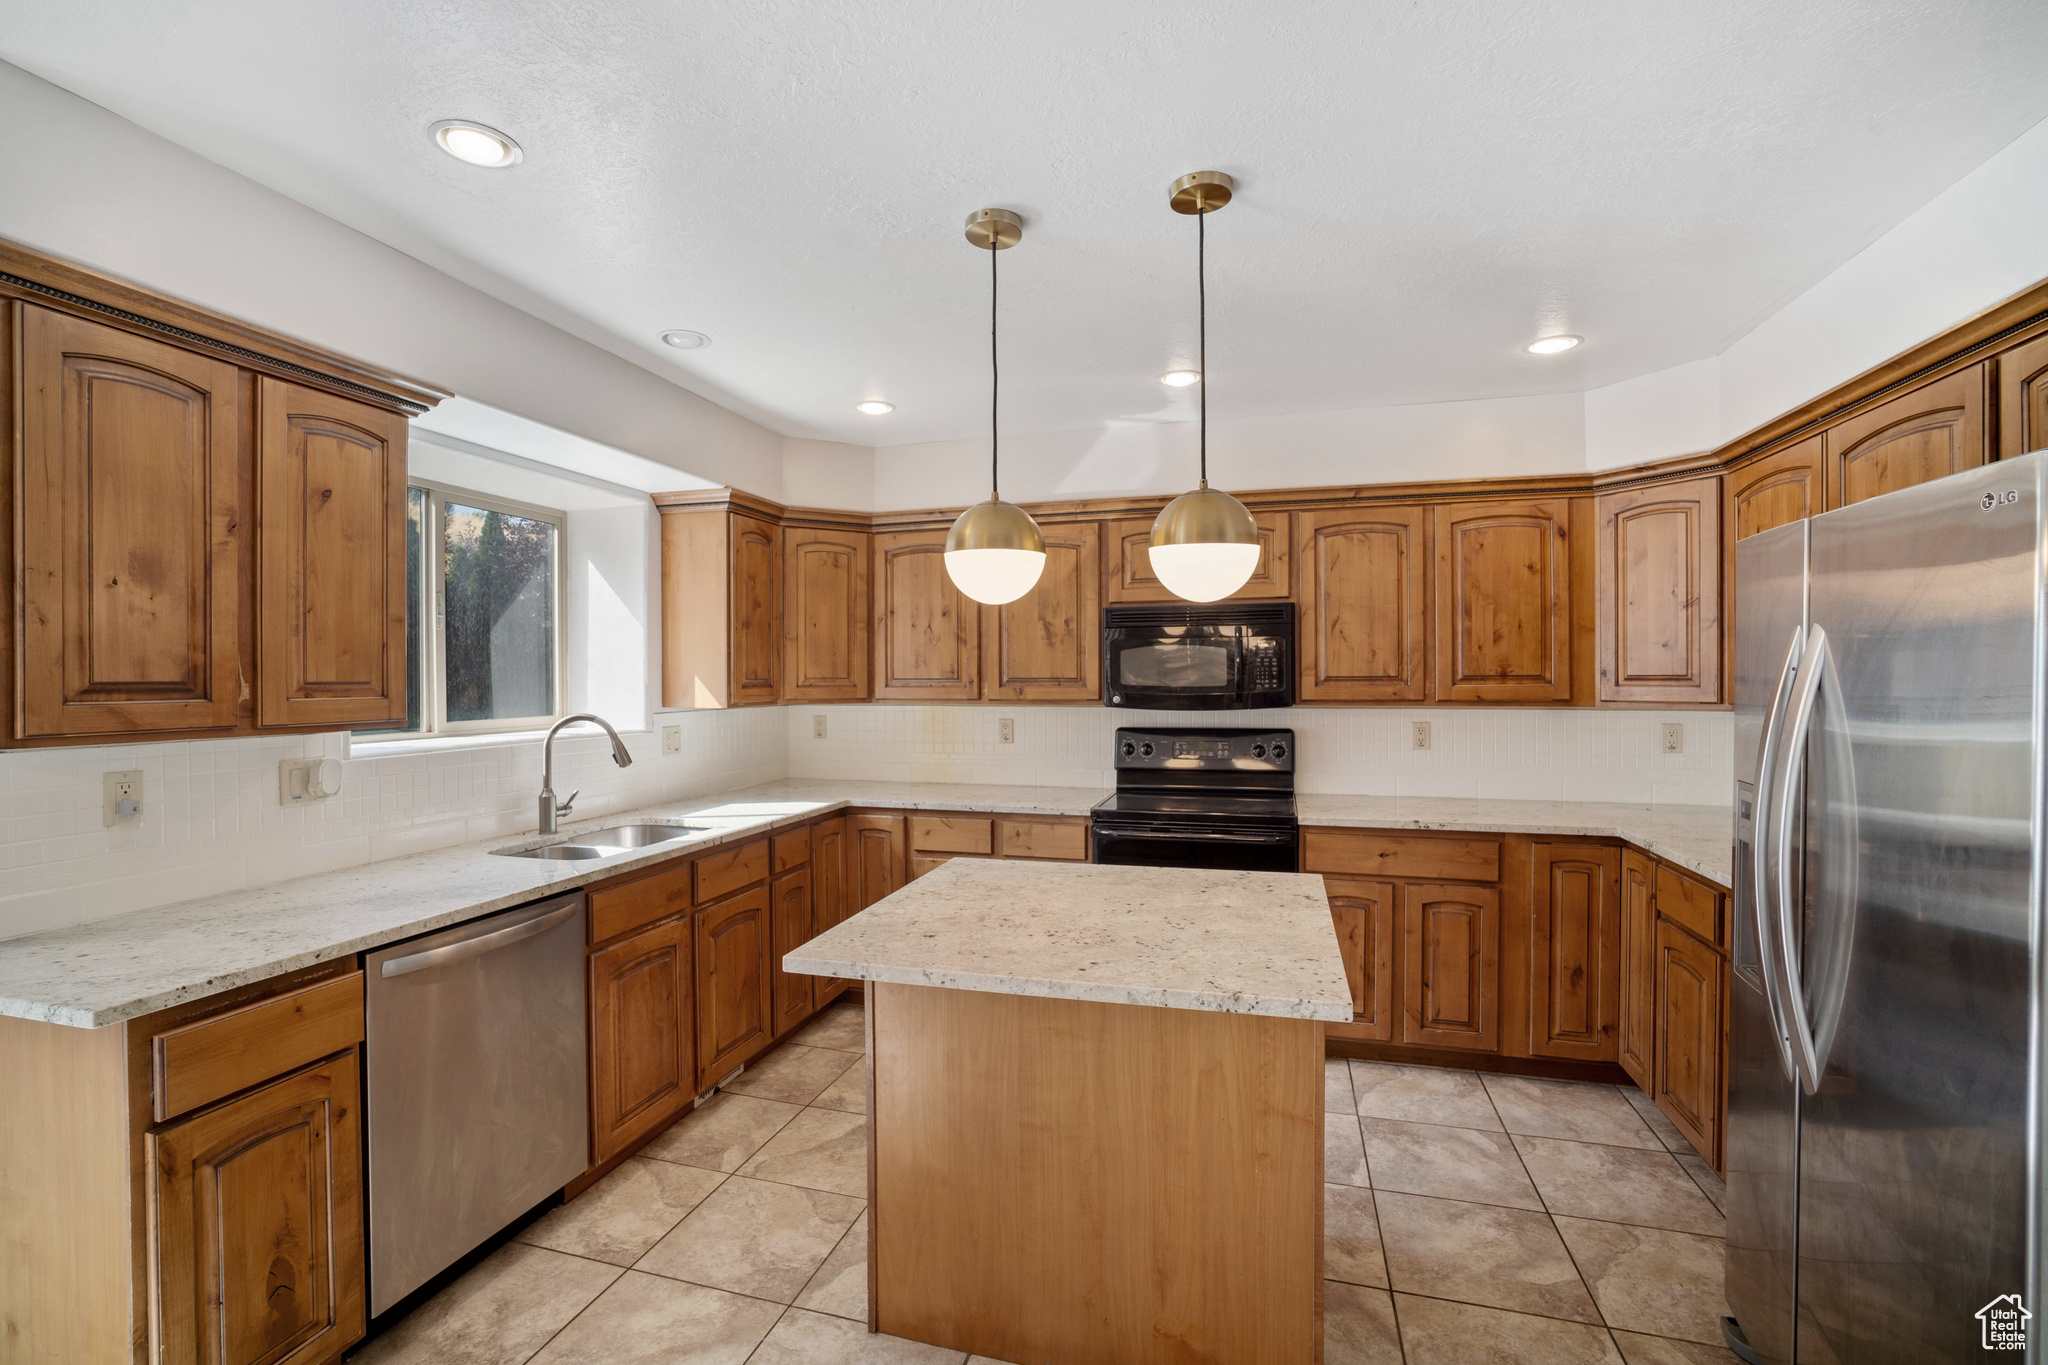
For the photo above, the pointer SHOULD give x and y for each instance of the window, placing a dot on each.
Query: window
(483, 638)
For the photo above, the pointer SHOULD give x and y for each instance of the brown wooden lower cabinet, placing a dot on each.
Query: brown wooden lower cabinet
(1450, 965)
(829, 895)
(1574, 952)
(734, 995)
(1689, 1036)
(258, 1224)
(643, 1065)
(792, 923)
(1550, 951)
(875, 857)
(1366, 917)
(1639, 969)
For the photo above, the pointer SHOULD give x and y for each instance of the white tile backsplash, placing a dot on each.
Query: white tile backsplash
(1528, 754)
(212, 821)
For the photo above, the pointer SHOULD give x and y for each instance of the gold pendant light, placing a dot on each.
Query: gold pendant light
(1205, 543)
(994, 553)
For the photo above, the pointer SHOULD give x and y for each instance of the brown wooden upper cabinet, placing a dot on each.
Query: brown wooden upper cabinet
(1503, 601)
(1047, 645)
(1932, 431)
(927, 632)
(130, 521)
(721, 591)
(331, 614)
(1660, 593)
(1364, 590)
(1778, 489)
(825, 610)
(2023, 399)
(1130, 561)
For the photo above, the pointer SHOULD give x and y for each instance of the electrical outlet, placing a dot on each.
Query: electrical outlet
(1674, 739)
(121, 797)
(1420, 732)
(817, 727)
(671, 739)
(1006, 731)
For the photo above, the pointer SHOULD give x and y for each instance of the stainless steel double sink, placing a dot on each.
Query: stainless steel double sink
(602, 843)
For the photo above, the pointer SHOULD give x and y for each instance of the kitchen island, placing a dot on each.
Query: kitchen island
(1095, 1128)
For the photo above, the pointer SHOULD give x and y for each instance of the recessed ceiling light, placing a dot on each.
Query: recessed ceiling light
(476, 144)
(1552, 345)
(874, 407)
(686, 341)
(1180, 379)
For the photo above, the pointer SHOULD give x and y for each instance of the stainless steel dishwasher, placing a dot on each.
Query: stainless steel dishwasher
(478, 1103)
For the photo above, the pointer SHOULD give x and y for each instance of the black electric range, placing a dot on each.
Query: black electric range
(1201, 797)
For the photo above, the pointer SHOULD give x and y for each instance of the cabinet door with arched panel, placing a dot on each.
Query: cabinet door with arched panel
(1364, 580)
(1925, 433)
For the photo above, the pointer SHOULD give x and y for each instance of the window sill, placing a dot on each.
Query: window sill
(483, 739)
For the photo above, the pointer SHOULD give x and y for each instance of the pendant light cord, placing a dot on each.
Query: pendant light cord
(1202, 326)
(995, 379)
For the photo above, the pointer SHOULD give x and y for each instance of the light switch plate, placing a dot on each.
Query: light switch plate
(116, 788)
(817, 727)
(1674, 739)
(1420, 733)
(671, 739)
(1006, 731)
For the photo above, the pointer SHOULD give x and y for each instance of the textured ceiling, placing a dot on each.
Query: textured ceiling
(1423, 186)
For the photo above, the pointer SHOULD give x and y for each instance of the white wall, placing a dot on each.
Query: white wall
(1553, 754)
(1543, 434)
(80, 182)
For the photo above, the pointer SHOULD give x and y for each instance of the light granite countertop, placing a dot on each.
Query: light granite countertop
(110, 970)
(1181, 938)
(1700, 839)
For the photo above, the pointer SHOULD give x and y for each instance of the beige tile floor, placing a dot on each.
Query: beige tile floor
(1467, 1218)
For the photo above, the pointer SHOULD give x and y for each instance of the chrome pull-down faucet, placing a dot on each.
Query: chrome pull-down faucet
(549, 811)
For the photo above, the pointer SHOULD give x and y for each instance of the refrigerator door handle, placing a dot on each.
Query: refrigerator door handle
(1813, 665)
(1763, 901)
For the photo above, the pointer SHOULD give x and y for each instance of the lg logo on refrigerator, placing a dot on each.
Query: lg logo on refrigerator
(2008, 497)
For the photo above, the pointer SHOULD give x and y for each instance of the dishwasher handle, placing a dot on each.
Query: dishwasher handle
(481, 944)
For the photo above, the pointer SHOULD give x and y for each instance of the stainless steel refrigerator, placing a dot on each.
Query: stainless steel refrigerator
(1885, 1032)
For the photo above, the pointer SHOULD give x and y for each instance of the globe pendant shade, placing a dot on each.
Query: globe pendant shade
(994, 552)
(1205, 546)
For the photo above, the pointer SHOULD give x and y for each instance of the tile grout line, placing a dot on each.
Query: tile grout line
(1557, 1231)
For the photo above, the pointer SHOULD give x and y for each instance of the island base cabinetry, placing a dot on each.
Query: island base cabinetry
(1053, 1181)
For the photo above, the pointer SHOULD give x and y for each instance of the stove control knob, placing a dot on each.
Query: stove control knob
(1279, 751)
(1145, 749)
(1128, 749)
(1258, 751)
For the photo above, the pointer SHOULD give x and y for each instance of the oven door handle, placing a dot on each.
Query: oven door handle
(1207, 834)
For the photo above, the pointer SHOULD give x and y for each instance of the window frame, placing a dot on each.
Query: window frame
(431, 603)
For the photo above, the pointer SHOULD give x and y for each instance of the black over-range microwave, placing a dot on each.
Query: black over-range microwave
(1225, 656)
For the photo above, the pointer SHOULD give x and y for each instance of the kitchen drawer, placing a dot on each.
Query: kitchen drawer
(921, 863)
(1692, 904)
(790, 850)
(196, 1064)
(621, 907)
(721, 874)
(939, 834)
(1363, 854)
(1044, 839)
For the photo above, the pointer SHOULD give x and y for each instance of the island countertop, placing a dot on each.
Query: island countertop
(1180, 938)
